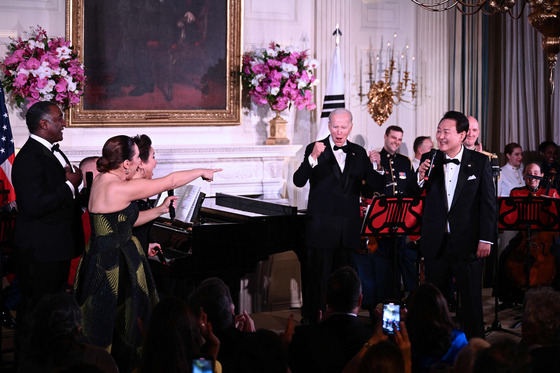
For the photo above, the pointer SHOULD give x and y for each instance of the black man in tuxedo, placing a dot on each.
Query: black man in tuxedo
(48, 230)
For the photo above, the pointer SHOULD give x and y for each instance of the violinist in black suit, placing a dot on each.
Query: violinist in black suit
(335, 168)
(459, 219)
(48, 229)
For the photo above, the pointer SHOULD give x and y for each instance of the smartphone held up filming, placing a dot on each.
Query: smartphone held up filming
(391, 317)
(203, 365)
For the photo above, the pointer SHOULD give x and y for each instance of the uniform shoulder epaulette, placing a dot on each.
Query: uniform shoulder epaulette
(488, 154)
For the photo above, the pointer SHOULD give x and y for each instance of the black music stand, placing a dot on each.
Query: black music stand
(530, 214)
(496, 325)
(391, 217)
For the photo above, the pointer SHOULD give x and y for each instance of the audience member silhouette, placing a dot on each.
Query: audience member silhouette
(175, 337)
(503, 356)
(366, 360)
(468, 354)
(433, 336)
(328, 345)
(541, 328)
(382, 357)
(262, 352)
(57, 344)
(213, 297)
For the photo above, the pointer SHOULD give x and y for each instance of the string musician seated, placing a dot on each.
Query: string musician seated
(512, 272)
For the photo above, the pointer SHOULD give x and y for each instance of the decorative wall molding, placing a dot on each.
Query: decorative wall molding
(247, 170)
(258, 10)
(30, 4)
(381, 16)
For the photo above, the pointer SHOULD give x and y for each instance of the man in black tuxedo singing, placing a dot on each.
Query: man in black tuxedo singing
(459, 220)
(335, 168)
(48, 230)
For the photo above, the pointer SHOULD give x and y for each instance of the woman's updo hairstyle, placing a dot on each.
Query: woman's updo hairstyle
(144, 144)
(115, 151)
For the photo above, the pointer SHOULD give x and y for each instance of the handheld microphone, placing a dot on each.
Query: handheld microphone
(432, 156)
(89, 179)
(161, 257)
(495, 167)
(528, 176)
(374, 163)
(170, 193)
(86, 190)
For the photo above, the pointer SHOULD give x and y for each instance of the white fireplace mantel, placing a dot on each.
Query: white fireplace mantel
(247, 169)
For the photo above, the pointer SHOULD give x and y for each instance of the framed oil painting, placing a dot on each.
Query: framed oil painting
(157, 62)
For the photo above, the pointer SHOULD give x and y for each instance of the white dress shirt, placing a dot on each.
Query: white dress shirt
(451, 172)
(510, 177)
(415, 164)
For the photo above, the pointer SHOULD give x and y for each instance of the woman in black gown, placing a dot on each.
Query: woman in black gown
(113, 286)
(143, 226)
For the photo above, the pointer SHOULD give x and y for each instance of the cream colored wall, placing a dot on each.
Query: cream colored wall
(304, 23)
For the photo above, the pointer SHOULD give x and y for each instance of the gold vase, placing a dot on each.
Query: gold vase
(278, 131)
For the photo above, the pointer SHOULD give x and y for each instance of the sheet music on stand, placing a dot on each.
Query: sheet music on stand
(533, 213)
(188, 204)
(390, 216)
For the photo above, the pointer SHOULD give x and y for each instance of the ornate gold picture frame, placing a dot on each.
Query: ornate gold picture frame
(162, 63)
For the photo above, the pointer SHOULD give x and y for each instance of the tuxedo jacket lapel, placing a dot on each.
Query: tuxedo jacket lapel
(462, 177)
(330, 158)
(349, 164)
(46, 152)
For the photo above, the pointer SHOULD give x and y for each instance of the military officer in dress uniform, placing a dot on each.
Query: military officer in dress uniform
(376, 269)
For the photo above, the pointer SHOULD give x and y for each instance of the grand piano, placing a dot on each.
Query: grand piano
(230, 236)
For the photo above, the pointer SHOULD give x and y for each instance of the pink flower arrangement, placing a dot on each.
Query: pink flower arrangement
(43, 69)
(280, 77)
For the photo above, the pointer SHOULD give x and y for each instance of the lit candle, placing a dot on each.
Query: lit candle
(381, 50)
(413, 75)
(406, 56)
(401, 65)
(361, 74)
(370, 57)
(394, 44)
(375, 69)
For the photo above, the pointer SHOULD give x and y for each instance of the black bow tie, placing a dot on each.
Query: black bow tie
(344, 148)
(451, 160)
(56, 148)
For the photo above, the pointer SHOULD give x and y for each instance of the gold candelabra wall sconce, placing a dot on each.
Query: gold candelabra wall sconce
(396, 82)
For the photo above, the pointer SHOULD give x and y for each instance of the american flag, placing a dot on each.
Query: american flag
(7, 153)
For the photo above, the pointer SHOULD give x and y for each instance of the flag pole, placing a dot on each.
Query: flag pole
(334, 94)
